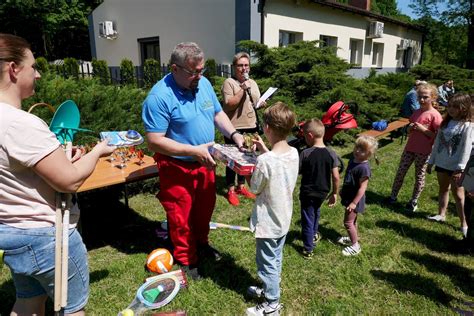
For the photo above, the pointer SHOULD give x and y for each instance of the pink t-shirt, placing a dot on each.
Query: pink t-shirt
(417, 141)
(26, 200)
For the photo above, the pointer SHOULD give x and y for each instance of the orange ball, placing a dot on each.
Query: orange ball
(159, 261)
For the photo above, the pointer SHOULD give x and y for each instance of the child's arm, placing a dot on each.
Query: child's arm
(364, 182)
(335, 187)
(258, 141)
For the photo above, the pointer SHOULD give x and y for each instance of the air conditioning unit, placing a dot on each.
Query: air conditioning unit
(107, 30)
(375, 29)
(404, 44)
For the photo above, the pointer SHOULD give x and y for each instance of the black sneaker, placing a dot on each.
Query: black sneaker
(307, 254)
(412, 206)
(192, 272)
(207, 251)
(255, 291)
(390, 201)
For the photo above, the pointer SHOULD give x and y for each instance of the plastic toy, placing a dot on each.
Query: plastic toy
(154, 293)
(159, 261)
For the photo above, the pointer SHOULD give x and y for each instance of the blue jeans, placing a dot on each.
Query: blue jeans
(310, 213)
(269, 263)
(29, 253)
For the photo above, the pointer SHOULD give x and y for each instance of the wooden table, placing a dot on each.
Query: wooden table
(392, 126)
(106, 174)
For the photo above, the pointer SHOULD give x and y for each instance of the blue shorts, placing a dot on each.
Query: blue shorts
(29, 253)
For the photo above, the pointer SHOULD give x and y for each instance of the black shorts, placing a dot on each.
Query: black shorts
(442, 170)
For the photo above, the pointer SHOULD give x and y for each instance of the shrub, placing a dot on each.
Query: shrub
(102, 107)
(126, 72)
(211, 71)
(438, 74)
(151, 72)
(100, 70)
(71, 68)
(42, 65)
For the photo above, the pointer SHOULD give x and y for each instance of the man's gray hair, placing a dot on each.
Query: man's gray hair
(184, 52)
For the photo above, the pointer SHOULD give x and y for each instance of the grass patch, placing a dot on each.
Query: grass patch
(408, 264)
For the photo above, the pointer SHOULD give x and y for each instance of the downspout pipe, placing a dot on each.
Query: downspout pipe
(261, 9)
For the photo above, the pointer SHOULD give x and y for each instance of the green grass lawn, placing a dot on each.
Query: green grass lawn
(408, 265)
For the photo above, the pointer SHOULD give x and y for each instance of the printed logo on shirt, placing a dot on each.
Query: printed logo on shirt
(206, 105)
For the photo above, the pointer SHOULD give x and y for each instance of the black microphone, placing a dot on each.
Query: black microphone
(246, 77)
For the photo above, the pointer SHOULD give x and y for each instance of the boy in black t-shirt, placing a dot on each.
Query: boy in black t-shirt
(319, 169)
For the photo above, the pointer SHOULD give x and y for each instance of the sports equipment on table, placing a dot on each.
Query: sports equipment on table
(122, 138)
(154, 293)
(159, 261)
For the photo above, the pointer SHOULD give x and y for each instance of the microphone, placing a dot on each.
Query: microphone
(246, 77)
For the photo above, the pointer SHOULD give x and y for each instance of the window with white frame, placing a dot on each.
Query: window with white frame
(356, 51)
(377, 54)
(327, 41)
(286, 38)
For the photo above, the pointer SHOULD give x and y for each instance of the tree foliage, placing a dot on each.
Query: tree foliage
(127, 72)
(55, 28)
(450, 25)
(385, 7)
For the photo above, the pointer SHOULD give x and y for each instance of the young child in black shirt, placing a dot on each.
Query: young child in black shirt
(319, 170)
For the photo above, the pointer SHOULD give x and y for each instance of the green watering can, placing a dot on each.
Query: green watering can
(65, 122)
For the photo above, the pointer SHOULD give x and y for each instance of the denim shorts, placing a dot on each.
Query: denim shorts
(29, 253)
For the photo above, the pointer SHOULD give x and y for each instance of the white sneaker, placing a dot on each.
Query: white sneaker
(265, 309)
(351, 251)
(345, 241)
(437, 218)
(464, 231)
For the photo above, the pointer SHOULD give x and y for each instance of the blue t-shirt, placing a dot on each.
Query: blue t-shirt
(354, 173)
(184, 116)
(410, 103)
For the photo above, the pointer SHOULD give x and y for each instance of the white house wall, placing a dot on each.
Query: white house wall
(173, 21)
(313, 20)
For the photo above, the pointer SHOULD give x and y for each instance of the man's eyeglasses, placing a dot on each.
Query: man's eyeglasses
(193, 73)
(243, 65)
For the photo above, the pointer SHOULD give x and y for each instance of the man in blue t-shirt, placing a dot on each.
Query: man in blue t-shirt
(180, 115)
(410, 102)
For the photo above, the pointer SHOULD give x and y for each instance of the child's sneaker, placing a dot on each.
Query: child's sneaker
(255, 291)
(265, 309)
(307, 254)
(437, 218)
(351, 251)
(344, 241)
(390, 200)
(412, 206)
(317, 238)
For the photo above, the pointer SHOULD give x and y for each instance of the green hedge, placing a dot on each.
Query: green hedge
(102, 107)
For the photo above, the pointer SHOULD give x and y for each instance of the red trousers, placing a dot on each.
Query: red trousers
(188, 195)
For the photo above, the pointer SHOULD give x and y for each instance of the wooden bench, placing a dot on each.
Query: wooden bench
(392, 126)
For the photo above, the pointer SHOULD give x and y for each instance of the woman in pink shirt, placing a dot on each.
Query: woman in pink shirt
(424, 124)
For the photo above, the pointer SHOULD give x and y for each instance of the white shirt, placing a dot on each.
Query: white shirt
(26, 200)
(273, 181)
